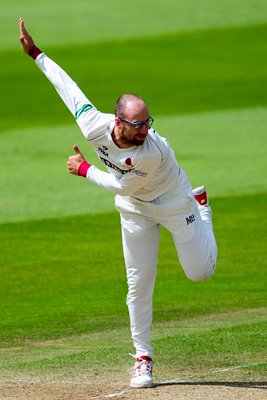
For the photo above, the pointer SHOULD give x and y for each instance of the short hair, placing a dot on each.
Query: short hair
(121, 103)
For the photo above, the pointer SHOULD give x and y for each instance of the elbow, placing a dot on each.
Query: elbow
(124, 191)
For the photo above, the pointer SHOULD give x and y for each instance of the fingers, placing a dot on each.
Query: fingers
(23, 32)
(22, 26)
(75, 161)
(77, 151)
(73, 165)
(25, 38)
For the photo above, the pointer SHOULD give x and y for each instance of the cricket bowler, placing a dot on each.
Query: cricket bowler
(151, 190)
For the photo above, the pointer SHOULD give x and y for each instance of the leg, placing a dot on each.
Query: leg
(198, 255)
(140, 238)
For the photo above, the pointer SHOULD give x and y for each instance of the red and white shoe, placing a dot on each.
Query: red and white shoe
(142, 373)
(201, 196)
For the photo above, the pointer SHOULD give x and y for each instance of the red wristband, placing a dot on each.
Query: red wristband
(34, 52)
(83, 168)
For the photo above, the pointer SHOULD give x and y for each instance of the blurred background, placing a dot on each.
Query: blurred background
(200, 66)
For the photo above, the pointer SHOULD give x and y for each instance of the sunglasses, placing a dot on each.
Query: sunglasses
(139, 124)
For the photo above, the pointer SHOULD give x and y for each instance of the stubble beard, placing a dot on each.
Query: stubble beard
(134, 141)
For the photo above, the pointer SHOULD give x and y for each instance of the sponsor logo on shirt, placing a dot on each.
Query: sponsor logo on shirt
(113, 166)
(138, 172)
(103, 150)
(122, 171)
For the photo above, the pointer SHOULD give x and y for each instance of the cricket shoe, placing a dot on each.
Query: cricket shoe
(201, 196)
(142, 373)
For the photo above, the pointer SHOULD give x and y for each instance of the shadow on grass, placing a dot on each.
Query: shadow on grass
(249, 385)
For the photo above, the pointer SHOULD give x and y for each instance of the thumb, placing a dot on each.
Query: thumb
(78, 151)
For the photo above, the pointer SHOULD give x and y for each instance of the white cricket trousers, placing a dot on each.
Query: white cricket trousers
(191, 229)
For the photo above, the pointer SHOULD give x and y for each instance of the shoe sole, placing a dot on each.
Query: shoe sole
(143, 386)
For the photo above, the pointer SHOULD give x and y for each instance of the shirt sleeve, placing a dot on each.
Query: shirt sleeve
(90, 120)
(129, 183)
(67, 89)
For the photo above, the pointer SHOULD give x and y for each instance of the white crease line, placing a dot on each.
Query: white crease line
(184, 380)
(109, 396)
(118, 394)
(212, 372)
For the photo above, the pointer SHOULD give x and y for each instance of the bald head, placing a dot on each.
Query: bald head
(132, 121)
(130, 104)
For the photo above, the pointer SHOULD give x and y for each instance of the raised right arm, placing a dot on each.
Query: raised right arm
(68, 90)
(86, 115)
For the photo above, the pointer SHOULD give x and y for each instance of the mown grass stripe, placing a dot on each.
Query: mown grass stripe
(96, 21)
(178, 73)
(47, 358)
(215, 148)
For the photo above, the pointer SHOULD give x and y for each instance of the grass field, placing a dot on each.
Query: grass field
(203, 72)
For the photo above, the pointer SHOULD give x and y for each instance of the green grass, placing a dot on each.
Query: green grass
(202, 71)
(180, 348)
(207, 70)
(82, 21)
(209, 146)
(60, 283)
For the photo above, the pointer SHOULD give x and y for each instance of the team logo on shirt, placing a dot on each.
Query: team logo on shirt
(131, 168)
(128, 163)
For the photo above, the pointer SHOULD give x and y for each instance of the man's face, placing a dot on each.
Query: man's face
(129, 133)
(133, 135)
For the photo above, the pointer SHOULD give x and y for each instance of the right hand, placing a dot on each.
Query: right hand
(25, 38)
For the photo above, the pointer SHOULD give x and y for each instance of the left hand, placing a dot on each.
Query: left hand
(75, 161)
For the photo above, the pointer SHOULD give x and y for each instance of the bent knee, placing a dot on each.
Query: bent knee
(198, 277)
(201, 273)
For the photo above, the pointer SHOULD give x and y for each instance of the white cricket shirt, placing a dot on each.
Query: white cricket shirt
(144, 172)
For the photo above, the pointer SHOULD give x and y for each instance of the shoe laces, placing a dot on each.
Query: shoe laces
(142, 366)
